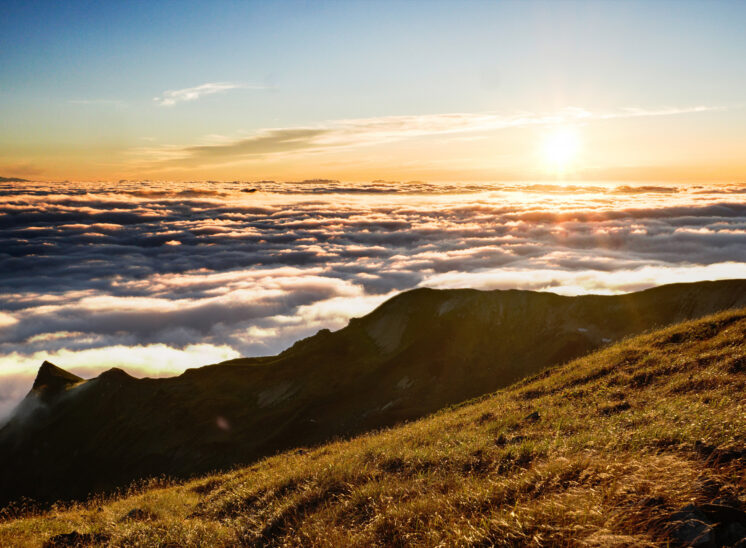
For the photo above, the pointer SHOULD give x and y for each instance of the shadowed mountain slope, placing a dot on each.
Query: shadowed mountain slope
(416, 353)
(640, 444)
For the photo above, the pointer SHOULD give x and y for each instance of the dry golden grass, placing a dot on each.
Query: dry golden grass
(598, 452)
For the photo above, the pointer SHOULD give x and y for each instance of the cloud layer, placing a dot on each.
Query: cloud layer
(96, 275)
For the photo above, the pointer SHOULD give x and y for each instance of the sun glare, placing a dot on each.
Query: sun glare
(561, 147)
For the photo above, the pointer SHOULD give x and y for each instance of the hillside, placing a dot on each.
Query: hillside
(640, 444)
(415, 354)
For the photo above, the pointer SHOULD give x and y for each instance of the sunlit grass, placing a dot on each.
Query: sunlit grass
(599, 452)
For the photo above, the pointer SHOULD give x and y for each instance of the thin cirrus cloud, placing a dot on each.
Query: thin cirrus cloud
(365, 131)
(172, 97)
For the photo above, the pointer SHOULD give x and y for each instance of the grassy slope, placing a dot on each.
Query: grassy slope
(624, 438)
(418, 352)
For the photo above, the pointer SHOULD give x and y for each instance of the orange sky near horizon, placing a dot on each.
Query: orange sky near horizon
(358, 91)
(607, 146)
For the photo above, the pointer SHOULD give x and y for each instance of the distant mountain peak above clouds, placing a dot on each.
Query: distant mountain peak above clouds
(50, 380)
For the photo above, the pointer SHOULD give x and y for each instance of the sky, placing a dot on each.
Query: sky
(359, 91)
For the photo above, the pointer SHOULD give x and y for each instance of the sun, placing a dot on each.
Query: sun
(561, 148)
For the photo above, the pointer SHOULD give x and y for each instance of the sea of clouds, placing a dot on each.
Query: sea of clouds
(158, 277)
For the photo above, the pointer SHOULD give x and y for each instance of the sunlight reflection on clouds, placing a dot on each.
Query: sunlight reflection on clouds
(94, 266)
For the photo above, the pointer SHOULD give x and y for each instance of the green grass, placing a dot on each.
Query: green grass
(624, 438)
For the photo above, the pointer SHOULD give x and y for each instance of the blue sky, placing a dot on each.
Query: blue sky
(79, 79)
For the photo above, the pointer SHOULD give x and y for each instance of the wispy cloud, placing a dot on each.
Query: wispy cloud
(364, 131)
(171, 97)
(637, 112)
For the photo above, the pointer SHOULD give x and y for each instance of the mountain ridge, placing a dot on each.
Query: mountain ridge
(416, 353)
(642, 443)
